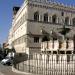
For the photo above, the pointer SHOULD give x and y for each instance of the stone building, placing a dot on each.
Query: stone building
(35, 21)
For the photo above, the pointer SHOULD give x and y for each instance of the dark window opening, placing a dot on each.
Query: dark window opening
(67, 43)
(73, 21)
(68, 52)
(55, 38)
(73, 52)
(49, 52)
(36, 39)
(61, 52)
(54, 52)
(36, 16)
(45, 38)
(46, 17)
(62, 13)
(54, 19)
(67, 21)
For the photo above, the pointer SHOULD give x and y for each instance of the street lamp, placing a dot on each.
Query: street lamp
(64, 30)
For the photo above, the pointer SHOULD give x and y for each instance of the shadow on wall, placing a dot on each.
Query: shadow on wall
(20, 57)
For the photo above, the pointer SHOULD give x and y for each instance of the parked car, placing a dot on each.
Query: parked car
(7, 61)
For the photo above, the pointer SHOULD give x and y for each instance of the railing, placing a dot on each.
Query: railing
(48, 64)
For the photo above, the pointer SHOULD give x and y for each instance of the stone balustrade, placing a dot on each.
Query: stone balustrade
(56, 45)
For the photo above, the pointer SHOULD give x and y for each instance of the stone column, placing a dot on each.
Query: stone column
(57, 20)
(69, 22)
(40, 18)
(49, 19)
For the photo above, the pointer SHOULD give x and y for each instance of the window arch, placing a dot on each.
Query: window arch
(54, 18)
(46, 17)
(67, 20)
(73, 20)
(36, 16)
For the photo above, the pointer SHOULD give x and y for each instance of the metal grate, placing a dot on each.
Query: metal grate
(48, 64)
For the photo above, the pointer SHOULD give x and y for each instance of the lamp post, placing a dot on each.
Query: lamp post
(64, 29)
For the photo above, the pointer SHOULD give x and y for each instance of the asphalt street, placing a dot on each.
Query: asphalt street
(7, 70)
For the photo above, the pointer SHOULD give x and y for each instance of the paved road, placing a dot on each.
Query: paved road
(7, 70)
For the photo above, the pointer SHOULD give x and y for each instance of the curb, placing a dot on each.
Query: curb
(20, 72)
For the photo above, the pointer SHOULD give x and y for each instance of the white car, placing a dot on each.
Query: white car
(7, 60)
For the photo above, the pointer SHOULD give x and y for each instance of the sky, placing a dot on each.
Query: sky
(6, 12)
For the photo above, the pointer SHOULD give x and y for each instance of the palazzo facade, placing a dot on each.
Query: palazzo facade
(41, 20)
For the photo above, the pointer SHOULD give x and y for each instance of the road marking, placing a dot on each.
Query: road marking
(1, 73)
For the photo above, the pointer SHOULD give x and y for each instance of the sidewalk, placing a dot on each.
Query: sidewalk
(20, 72)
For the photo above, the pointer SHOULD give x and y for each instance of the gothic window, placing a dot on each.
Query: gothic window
(36, 16)
(73, 21)
(46, 17)
(67, 21)
(54, 19)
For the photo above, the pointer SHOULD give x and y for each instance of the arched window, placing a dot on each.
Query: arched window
(54, 18)
(36, 16)
(46, 17)
(67, 21)
(73, 20)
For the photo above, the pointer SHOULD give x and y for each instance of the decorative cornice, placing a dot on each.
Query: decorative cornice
(21, 9)
(53, 6)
